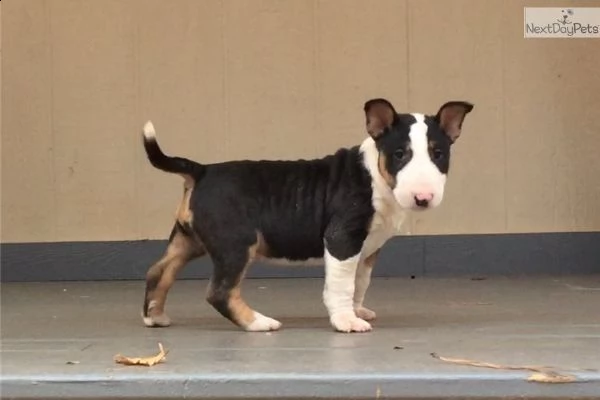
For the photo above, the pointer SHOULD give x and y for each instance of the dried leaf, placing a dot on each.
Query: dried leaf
(576, 287)
(546, 377)
(146, 361)
(485, 364)
(542, 374)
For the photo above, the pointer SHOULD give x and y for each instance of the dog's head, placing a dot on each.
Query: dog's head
(414, 149)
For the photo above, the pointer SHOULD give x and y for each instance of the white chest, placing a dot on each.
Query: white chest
(387, 223)
(389, 216)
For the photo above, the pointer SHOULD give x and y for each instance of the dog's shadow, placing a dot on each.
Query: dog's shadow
(321, 323)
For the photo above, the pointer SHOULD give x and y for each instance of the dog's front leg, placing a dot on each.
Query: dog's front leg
(362, 281)
(338, 293)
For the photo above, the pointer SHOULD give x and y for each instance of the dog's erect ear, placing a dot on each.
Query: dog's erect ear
(380, 114)
(451, 116)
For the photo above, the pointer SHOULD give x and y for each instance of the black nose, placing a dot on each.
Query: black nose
(421, 203)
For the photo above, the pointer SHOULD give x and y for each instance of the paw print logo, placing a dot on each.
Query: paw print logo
(566, 14)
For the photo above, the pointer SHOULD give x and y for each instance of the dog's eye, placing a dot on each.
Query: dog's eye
(438, 154)
(399, 154)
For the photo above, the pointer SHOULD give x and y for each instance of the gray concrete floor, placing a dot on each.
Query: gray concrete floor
(540, 321)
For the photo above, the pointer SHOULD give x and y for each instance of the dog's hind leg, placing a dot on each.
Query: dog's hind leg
(160, 277)
(224, 293)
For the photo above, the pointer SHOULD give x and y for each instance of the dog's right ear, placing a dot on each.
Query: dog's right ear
(380, 115)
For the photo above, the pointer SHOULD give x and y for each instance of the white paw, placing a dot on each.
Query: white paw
(365, 313)
(157, 320)
(349, 322)
(263, 323)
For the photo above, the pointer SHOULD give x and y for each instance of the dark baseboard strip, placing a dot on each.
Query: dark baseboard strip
(448, 255)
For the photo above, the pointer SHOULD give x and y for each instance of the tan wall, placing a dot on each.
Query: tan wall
(1, 138)
(285, 79)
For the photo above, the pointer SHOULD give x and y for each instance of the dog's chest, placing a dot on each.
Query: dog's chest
(387, 223)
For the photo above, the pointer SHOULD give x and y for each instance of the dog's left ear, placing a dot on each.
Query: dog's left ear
(451, 116)
(380, 115)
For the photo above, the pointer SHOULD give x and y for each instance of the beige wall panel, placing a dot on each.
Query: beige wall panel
(270, 93)
(1, 122)
(551, 108)
(361, 55)
(28, 186)
(455, 53)
(284, 79)
(93, 114)
(181, 89)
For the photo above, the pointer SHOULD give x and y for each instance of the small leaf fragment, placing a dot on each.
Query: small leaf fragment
(145, 361)
(545, 377)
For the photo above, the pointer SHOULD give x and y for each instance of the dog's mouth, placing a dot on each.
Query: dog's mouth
(421, 204)
(418, 208)
(424, 204)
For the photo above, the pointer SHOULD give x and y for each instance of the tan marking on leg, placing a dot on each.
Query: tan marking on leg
(241, 313)
(389, 179)
(260, 249)
(162, 275)
(370, 261)
(188, 181)
(184, 214)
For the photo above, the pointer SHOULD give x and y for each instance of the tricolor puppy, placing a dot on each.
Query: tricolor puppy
(338, 210)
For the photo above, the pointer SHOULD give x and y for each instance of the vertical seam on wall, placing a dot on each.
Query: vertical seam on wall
(503, 111)
(225, 82)
(1, 122)
(407, 35)
(137, 87)
(411, 222)
(556, 165)
(316, 68)
(50, 41)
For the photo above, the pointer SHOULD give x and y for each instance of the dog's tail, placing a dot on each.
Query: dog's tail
(176, 165)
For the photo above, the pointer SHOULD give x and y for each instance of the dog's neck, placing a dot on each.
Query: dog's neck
(387, 209)
(370, 154)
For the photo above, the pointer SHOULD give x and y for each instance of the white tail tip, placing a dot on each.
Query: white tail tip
(149, 132)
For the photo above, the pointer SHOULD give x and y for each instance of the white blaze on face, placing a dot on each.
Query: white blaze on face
(420, 175)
